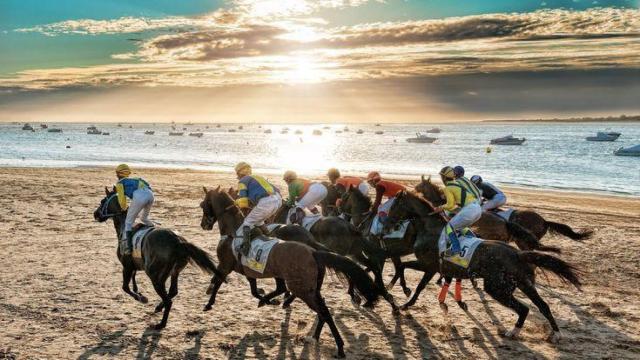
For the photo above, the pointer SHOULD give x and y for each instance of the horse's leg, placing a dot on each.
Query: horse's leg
(216, 282)
(444, 291)
(423, 283)
(324, 313)
(531, 292)
(253, 285)
(281, 288)
(159, 286)
(399, 274)
(288, 299)
(143, 299)
(173, 291)
(127, 275)
(502, 291)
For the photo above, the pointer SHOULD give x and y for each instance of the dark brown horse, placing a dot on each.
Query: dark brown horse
(301, 267)
(356, 206)
(328, 204)
(502, 267)
(492, 226)
(164, 254)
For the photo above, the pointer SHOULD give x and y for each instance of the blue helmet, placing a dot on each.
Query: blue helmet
(476, 179)
(458, 171)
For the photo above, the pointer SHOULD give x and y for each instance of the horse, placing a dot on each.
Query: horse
(356, 205)
(164, 255)
(502, 267)
(300, 267)
(342, 237)
(492, 226)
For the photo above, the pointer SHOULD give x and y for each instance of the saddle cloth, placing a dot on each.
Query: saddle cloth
(505, 214)
(468, 245)
(398, 231)
(258, 253)
(137, 240)
(309, 219)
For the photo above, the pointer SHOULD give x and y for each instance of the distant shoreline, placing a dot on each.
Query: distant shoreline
(627, 119)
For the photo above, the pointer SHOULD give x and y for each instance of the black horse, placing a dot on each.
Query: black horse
(164, 255)
(502, 267)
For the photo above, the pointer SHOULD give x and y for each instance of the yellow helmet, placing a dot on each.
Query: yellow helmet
(447, 173)
(123, 170)
(289, 175)
(243, 169)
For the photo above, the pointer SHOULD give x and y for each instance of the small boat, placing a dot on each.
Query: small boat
(338, 131)
(268, 131)
(184, 128)
(434, 131)
(92, 127)
(379, 132)
(377, 124)
(604, 136)
(94, 131)
(240, 127)
(629, 151)
(284, 131)
(149, 132)
(345, 129)
(218, 125)
(327, 127)
(119, 125)
(360, 131)
(106, 133)
(176, 133)
(27, 127)
(507, 140)
(232, 130)
(422, 138)
(196, 134)
(54, 130)
(285, 128)
(44, 126)
(317, 132)
(298, 132)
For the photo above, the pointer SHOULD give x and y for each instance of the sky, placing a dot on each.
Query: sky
(317, 61)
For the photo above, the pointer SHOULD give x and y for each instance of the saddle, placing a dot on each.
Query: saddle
(259, 252)
(140, 232)
(503, 213)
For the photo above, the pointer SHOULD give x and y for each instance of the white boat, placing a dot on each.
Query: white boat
(149, 132)
(345, 129)
(360, 131)
(422, 138)
(629, 151)
(298, 132)
(94, 131)
(316, 132)
(268, 131)
(196, 134)
(379, 132)
(92, 127)
(604, 136)
(27, 127)
(508, 140)
(231, 130)
(176, 133)
(434, 131)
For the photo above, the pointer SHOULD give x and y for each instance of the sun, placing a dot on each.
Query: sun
(303, 69)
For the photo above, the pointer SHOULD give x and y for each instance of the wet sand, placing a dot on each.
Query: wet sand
(61, 297)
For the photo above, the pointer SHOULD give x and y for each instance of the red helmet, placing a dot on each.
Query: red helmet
(374, 177)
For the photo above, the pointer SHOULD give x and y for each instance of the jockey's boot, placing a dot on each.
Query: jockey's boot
(246, 240)
(454, 248)
(126, 246)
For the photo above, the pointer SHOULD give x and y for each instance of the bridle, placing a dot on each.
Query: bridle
(104, 208)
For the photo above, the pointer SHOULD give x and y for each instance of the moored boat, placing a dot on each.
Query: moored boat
(54, 130)
(508, 140)
(149, 132)
(628, 151)
(44, 126)
(94, 131)
(434, 130)
(379, 132)
(27, 127)
(196, 134)
(604, 136)
(422, 138)
(176, 133)
(316, 132)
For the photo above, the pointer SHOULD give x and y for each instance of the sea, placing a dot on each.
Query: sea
(555, 155)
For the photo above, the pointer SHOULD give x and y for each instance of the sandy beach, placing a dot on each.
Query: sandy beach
(61, 297)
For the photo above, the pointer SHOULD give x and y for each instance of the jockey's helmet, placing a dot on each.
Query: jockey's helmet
(458, 171)
(243, 169)
(333, 173)
(123, 170)
(447, 173)
(289, 175)
(374, 177)
(476, 179)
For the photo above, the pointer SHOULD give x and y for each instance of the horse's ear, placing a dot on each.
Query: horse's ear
(429, 179)
(350, 187)
(217, 189)
(106, 191)
(422, 177)
(205, 190)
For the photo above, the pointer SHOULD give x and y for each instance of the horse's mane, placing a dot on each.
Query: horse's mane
(420, 198)
(361, 196)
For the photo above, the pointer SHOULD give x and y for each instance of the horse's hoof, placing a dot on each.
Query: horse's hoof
(340, 355)
(274, 302)
(208, 307)
(261, 292)
(444, 308)
(209, 289)
(463, 305)
(513, 333)
(143, 299)
(406, 291)
(555, 337)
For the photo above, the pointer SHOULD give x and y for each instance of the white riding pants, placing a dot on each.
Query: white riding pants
(466, 217)
(141, 203)
(496, 202)
(264, 209)
(316, 193)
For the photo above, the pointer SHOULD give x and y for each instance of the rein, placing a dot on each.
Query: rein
(105, 208)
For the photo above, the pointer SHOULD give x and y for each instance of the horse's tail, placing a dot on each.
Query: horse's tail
(358, 277)
(567, 231)
(200, 258)
(564, 270)
(526, 240)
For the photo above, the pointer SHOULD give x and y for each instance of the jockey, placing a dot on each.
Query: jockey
(303, 194)
(458, 171)
(256, 191)
(384, 188)
(343, 183)
(141, 195)
(460, 193)
(494, 197)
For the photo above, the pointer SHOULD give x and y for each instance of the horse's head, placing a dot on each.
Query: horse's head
(214, 205)
(329, 202)
(109, 207)
(354, 202)
(430, 191)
